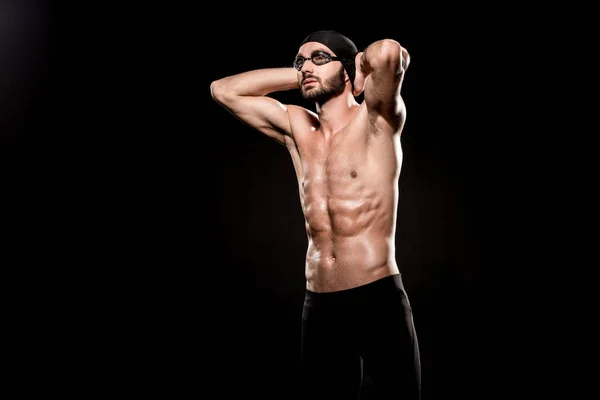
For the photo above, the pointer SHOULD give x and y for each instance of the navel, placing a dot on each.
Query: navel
(353, 173)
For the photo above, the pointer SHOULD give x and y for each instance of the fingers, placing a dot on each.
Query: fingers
(358, 60)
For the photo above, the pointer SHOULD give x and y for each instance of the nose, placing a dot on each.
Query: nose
(306, 64)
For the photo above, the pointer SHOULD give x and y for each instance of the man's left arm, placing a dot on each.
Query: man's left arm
(380, 71)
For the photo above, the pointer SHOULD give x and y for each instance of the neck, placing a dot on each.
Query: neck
(336, 112)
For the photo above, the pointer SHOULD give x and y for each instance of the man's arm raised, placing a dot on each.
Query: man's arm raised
(245, 96)
(380, 72)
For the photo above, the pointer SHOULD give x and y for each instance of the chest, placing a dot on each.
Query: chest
(343, 155)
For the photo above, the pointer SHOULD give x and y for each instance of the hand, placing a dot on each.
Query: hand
(359, 77)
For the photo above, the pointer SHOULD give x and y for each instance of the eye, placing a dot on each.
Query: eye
(320, 58)
(298, 62)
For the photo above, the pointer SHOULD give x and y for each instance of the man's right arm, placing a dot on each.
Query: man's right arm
(245, 96)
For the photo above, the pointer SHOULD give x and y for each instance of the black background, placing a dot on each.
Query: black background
(177, 230)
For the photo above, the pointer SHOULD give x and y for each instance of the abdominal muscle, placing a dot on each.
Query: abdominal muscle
(350, 227)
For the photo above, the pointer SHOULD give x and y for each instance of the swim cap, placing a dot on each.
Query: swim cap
(340, 45)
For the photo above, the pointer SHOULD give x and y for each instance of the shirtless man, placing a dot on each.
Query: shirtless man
(347, 157)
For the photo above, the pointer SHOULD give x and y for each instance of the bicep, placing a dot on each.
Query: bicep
(382, 89)
(265, 114)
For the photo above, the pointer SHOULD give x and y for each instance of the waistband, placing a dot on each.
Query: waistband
(383, 286)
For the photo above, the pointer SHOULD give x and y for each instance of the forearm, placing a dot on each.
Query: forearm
(258, 82)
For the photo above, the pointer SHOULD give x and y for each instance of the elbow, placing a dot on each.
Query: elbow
(390, 56)
(223, 91)
(217, 90)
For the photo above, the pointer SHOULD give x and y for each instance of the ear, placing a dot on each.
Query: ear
(346, 76)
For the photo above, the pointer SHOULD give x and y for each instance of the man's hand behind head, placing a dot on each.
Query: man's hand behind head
(360, 77)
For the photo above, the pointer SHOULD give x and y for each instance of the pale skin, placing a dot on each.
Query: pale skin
(347, 156)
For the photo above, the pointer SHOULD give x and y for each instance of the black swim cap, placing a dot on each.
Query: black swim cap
(340, 45)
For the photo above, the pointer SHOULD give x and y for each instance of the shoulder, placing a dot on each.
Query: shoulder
(301, 118)
(301, 113)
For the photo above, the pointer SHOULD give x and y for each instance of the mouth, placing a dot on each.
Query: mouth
(308, 81)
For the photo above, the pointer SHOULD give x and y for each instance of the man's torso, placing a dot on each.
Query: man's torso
(348, 192)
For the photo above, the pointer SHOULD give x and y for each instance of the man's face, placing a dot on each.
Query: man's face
(319, 83)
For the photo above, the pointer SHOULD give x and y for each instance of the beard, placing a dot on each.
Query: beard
(334, 86)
